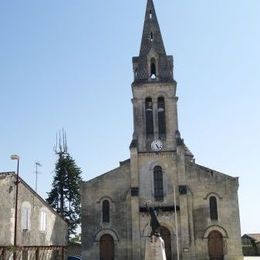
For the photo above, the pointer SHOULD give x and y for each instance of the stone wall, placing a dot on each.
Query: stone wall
(56, 228)
(204, 183)
(113, 186)
(129, 227)
(7, 193)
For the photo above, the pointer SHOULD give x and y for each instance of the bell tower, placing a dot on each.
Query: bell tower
(154, 91)
(154, 160)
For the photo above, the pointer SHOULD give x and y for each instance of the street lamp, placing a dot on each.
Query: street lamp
(17, 158)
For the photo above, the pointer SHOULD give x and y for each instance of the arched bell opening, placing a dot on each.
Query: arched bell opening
(153, 70)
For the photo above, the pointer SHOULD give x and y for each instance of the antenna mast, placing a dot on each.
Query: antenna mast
(61, 147)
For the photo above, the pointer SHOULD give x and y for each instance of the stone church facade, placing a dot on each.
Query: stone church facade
(197, 206)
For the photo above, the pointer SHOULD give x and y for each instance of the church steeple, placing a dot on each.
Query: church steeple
(151, 37)
(154, 90)
(152, 62)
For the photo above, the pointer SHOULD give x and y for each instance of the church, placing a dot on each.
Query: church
(197, 207)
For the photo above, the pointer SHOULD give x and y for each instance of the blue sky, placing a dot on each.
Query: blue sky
(68, 64)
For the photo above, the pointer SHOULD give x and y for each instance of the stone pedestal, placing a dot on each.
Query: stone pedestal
(154, 249)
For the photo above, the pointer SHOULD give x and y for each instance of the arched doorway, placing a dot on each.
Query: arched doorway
(107, 247)
(166, 236)
(215, 245)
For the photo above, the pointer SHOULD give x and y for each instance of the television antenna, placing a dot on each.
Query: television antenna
(61, 147)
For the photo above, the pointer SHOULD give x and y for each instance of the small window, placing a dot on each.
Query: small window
(149, 116)
(158, 183)
(151, 36)
(150, 14)
(25, 215)
(105, 211)
(135, 73)
(43, 221)
(213, 207)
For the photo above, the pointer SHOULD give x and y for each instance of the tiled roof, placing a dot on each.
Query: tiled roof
(255, 236)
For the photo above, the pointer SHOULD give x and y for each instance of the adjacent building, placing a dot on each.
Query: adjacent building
(251, 244)
(40, 230)
(197, 206)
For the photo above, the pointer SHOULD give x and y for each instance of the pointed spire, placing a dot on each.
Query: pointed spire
(151, 37)
(152, 64)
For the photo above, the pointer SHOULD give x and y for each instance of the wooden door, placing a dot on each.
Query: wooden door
(215, 246)
(107, 248)
(166, 236)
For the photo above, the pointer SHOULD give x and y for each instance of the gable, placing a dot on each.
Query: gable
(113, 183)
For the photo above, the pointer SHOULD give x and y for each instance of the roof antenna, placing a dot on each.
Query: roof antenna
(61, 147)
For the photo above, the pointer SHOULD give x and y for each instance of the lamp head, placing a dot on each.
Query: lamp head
(14, 157)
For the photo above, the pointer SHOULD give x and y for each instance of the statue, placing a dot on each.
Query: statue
(154, 223)
(154, 247)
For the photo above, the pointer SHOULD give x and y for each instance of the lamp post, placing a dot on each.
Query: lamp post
(17, 158)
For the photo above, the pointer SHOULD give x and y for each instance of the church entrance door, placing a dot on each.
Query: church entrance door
(215, 246)
(107, 247)
(166, 236)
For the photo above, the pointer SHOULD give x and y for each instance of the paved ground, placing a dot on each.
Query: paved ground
(252, 258)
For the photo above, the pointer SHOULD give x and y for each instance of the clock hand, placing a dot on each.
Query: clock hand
(157, 146)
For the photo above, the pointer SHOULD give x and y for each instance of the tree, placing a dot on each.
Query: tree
(65, 195)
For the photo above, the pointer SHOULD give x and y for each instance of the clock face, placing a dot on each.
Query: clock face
(157, 145)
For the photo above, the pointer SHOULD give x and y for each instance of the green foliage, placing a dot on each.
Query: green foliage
(65, 195)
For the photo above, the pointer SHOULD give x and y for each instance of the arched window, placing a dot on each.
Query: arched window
(149, 116)
(105, 211)
(161, 117)
(158, 183)
(213, 207)
(153, 68)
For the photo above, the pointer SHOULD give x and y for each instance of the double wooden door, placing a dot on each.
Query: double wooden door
(215, 246)
(107, 248)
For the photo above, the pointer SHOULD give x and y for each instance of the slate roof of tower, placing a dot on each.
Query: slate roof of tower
(151, 26)
(152, 47)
